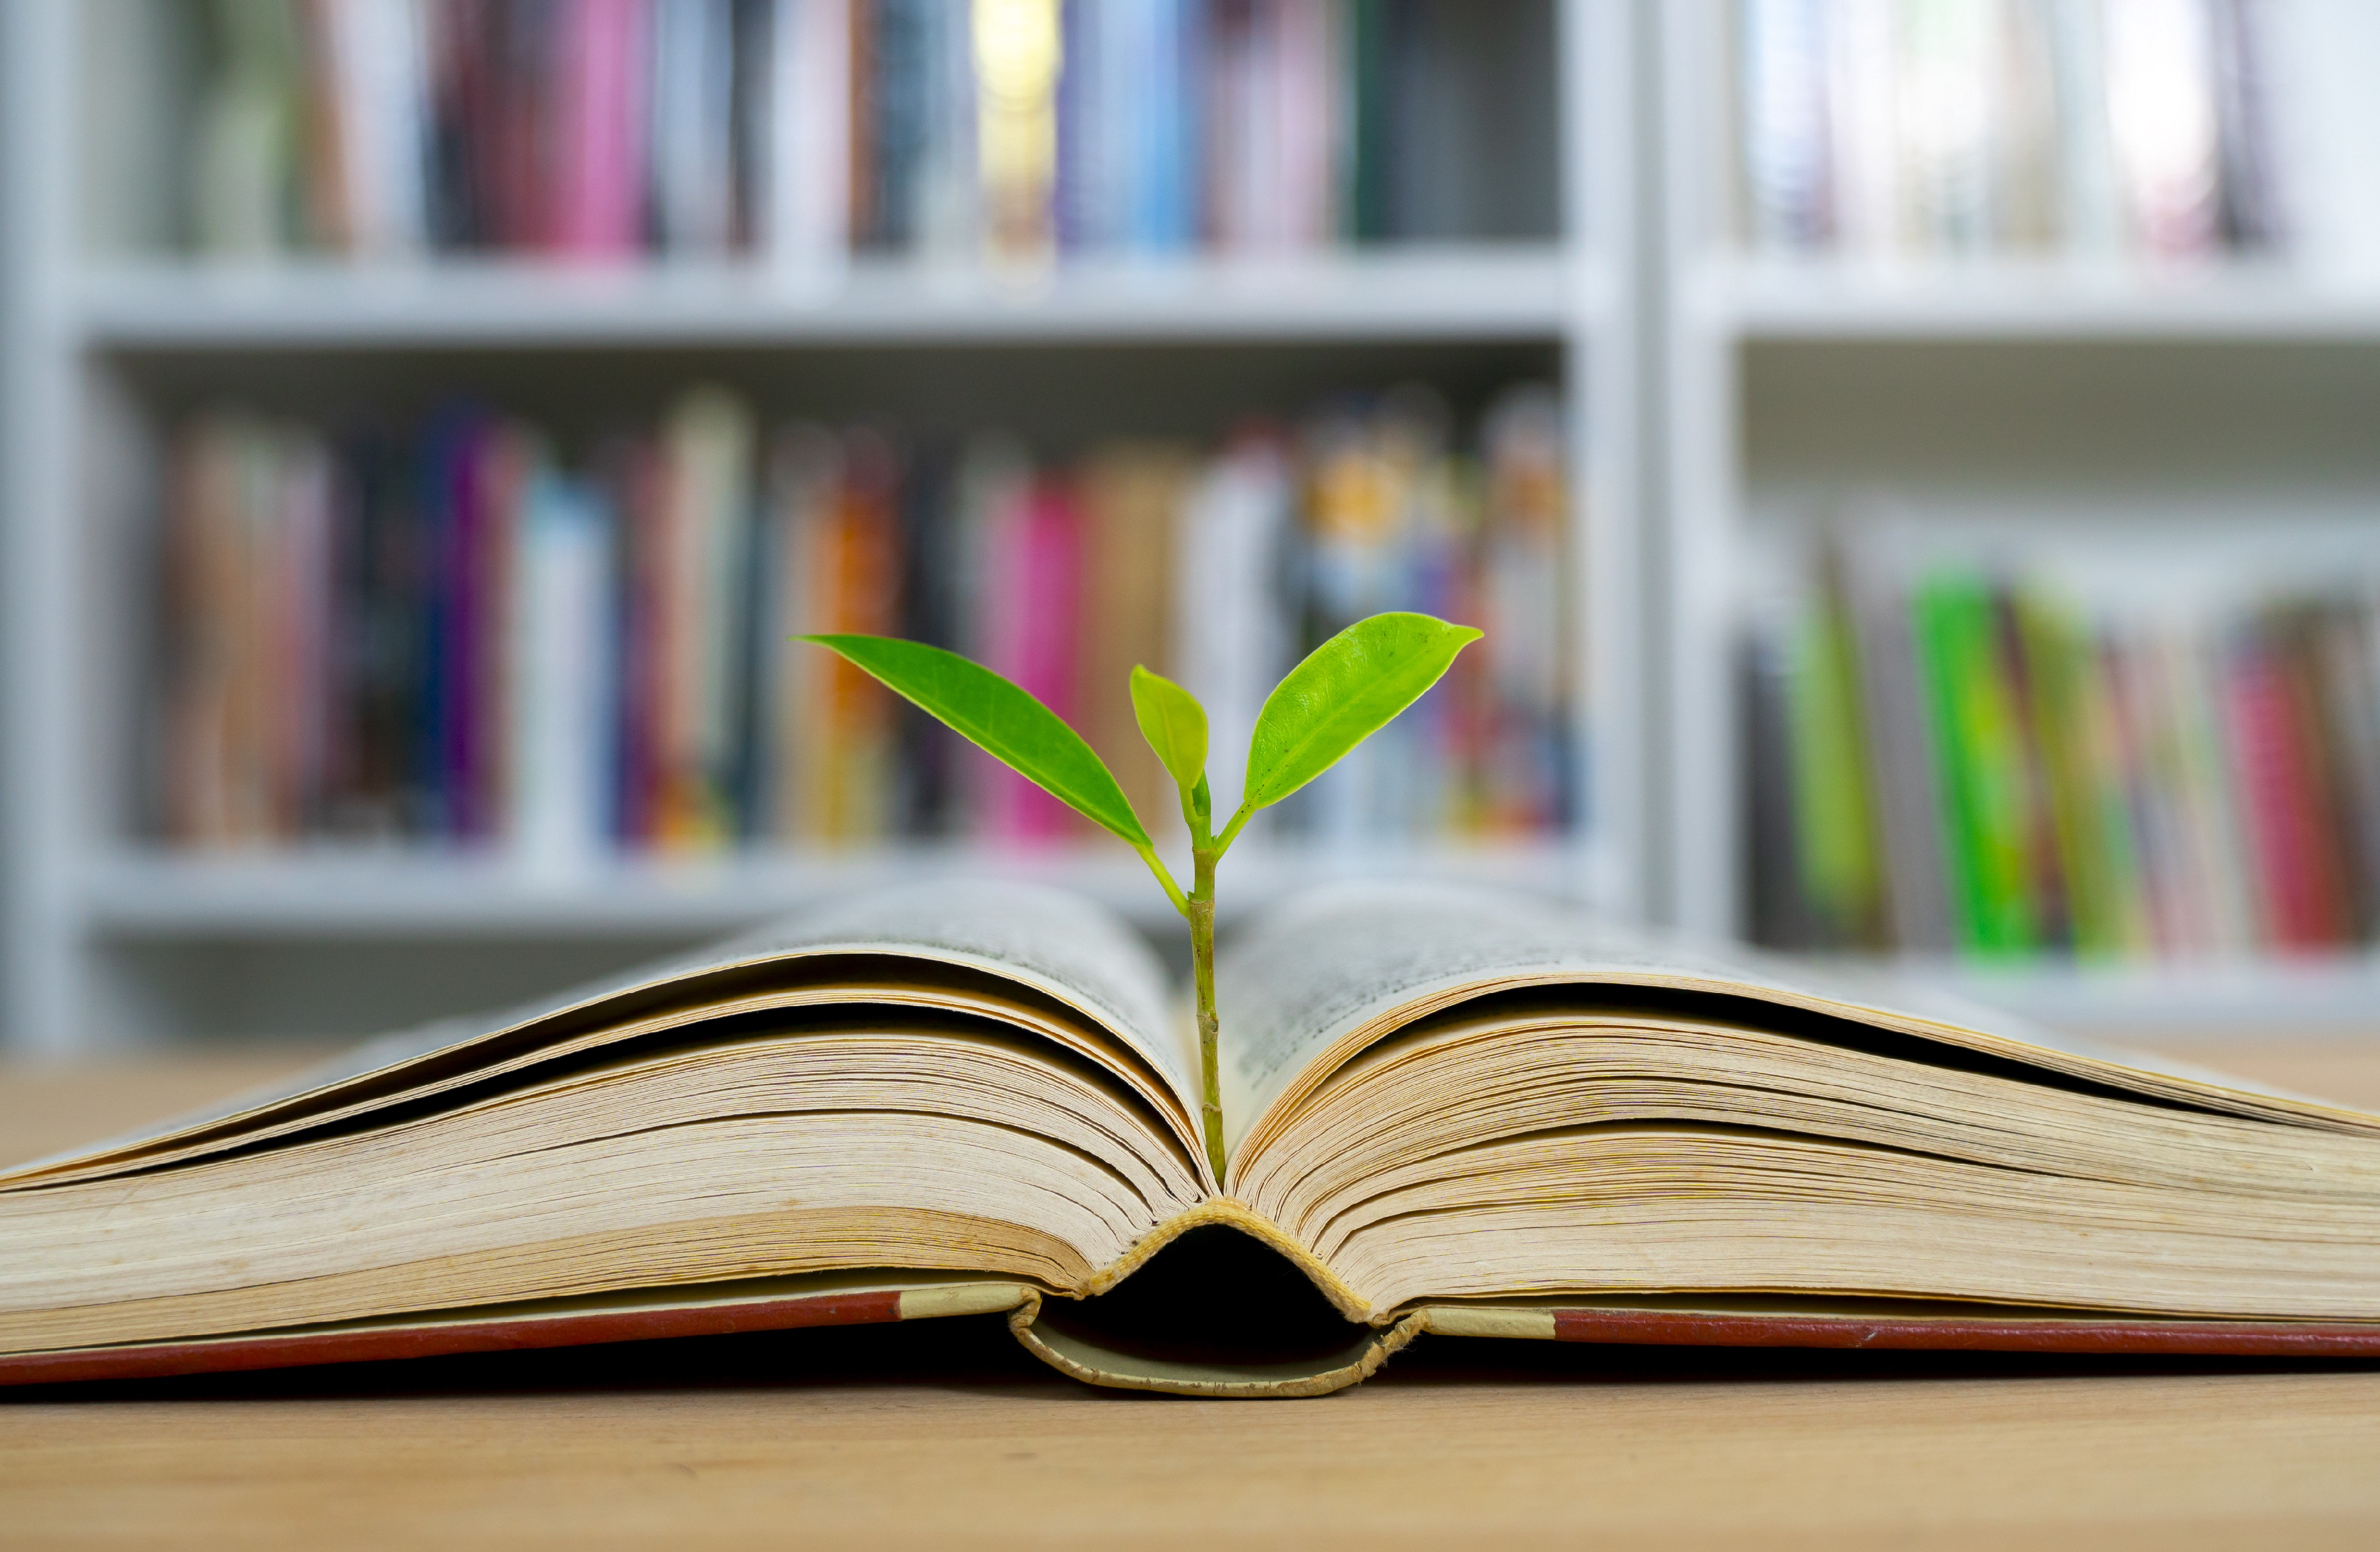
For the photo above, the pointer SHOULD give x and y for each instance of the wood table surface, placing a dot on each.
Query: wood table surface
(944, 1433)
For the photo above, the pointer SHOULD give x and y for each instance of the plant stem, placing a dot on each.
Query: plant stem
(1202, 970)
(1157, 865)
(1232, 830)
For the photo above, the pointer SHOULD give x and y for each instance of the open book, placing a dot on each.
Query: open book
(1447, 1112)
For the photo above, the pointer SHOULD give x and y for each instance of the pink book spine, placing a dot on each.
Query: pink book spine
(600, 211)
(1042, 575)
(2272, 791)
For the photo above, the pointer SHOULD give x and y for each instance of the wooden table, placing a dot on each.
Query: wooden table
(945, 1432)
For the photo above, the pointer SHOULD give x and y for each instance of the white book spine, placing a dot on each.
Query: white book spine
(2091, 216)
(1232, 646)
(1781, 58)
(693, 93)
(563, 656)
(1309, 121)
(809, 204)
(1861, 88)
(2161, 114)
(949, 208)
(380, 73)
(2326, 119)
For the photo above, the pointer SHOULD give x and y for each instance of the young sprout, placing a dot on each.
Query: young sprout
(1347, 689)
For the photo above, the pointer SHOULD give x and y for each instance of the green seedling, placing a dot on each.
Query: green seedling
(1347, 689)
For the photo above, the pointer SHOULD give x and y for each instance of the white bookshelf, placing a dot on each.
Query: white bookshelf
(1510, 291)
(105, 939)
(2006, 301)
(2138, 396)
(1733, 385)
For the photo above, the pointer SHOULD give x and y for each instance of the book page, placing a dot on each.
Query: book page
(1059, 944)
(1304, 986)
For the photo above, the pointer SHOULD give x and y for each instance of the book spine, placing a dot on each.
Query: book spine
(1975, 745)
(1032, 617)
(1370, 215)
(692, 130)
(2259, 737)
(2089, 823)
(1779, 907)
(461, 640)
(897, 84)
(2100, 128)
(1904, 759)
(600, 130)
(706, 450)
(1309, 110)
(2350, 710)
(1526, 588)
(1130, 497)
(1019, 52)
(1841, 879)
(1782, 52)
(561, 737)
(949, 203)
(1165, 135)
(853, 572)
(2104, 782)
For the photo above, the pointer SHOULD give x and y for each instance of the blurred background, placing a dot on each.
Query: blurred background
(1917, 463)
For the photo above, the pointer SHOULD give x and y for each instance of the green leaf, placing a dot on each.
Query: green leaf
(1000, 718)
(1345, 690)
(1174, 723)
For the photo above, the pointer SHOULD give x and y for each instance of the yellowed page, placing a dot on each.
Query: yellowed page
(1055, 943)
(1303, 987)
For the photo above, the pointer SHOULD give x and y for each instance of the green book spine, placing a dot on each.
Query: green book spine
(2082, 764)
(1834, 807)
(1368, 45)
(1979, 744)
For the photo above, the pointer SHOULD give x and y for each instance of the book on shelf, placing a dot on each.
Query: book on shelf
(461, 636)
(2160, 131)
(798, 131)
(1450, 1112)
(2089, 755)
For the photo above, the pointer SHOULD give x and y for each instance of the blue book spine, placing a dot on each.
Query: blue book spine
(1167, 132)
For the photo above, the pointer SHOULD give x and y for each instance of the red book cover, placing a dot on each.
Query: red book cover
(2321, 832)
(2280, 799)
(515, 97)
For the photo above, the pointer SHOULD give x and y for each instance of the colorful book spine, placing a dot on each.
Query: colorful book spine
(469, 637)
(800, 130)
(2100, 782)
(2160, 129)
(1527, 584)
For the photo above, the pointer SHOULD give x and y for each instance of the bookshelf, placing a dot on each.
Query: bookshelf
(1453, 292)
(2045, 302)
(110, 938)
(1713, 394)
(2136, 404)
